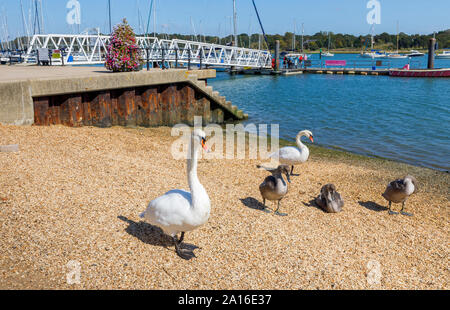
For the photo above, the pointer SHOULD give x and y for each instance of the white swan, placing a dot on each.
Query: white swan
(179, 211)
(293, 156)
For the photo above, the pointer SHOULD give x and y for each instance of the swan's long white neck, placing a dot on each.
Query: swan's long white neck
(299, 140)
(197, 189)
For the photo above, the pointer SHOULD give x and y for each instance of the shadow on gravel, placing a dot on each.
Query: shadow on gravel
(312, 204)
(254, 204)
(152, 235)
(373, 206)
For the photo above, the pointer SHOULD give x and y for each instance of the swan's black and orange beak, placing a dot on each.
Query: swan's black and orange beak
(204, 145)
(311, 138)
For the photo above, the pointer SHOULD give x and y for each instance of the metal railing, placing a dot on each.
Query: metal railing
(165, 58)
(91, 49)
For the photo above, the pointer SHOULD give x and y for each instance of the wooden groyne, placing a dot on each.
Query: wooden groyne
(90, 96)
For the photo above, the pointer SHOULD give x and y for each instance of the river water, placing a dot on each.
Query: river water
(403, 119)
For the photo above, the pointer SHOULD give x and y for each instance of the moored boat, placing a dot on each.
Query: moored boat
(444, 55)
(396, 56)
(420, 72)
(414, 53)
(373, 54)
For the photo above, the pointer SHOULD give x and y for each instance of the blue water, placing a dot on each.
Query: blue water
(404, 119)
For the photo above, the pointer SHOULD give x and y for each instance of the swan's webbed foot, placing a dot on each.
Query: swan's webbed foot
(292, 173)
(406, 213)
(279, 213)
(264, 208)
(183, 253)
(403, 212)
(390, 210)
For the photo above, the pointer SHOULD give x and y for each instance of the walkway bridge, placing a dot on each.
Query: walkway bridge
(85, 49)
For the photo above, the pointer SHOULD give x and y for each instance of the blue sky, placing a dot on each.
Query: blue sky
(212, 17)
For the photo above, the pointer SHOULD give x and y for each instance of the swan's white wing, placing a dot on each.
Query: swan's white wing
(171, 209)
(289, 155)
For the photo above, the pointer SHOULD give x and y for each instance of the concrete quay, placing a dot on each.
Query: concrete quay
(77, 96)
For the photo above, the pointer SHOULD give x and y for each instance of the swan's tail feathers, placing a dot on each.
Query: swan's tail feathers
(142, 216)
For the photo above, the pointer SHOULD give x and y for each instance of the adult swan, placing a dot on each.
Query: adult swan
(179, 211)
(293, 156)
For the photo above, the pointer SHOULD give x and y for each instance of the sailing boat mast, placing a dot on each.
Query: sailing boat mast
(42, 16)
(293, 38)
(4, 24)
(25, 27)
(154, 19)
(37, 20)
(149, 18)
(303, 34)
(109, 16)
(372, 35)
(397, 36)
(235, 23)
(139, 16)
(329, 41)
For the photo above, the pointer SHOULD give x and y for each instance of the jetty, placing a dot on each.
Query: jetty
(351, 71)
(92, 96)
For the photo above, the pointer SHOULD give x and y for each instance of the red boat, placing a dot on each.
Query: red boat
(420, 72)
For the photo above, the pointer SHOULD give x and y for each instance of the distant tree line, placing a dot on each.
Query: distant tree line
(311, 42)
(320, 40)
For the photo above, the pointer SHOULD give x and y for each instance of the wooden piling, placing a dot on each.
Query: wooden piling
(431, 52)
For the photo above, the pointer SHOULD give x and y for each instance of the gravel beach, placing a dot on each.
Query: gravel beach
(74, 195)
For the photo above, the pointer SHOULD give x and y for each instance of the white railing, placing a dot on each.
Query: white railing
(91, 49)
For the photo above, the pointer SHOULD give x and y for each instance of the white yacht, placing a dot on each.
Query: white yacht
(373, 54)
(445, 55)
(414, 53)
(396, 56)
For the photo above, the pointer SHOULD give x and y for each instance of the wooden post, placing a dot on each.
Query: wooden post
(277, 56)
(431, 51)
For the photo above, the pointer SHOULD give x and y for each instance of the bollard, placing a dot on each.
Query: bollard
(431, 51)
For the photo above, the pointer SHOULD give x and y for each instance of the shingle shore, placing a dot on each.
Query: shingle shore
(75, 194)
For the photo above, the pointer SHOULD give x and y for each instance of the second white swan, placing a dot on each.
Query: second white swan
(293, 156)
